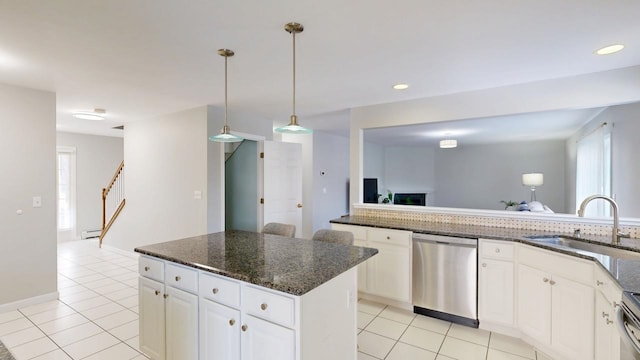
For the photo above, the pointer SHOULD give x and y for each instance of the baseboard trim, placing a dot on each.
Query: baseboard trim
(29, 301)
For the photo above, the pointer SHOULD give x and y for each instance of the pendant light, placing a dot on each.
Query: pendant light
(225, 134)
(294, 28)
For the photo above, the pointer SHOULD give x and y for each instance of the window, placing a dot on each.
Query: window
(593, 170)
(66, 190)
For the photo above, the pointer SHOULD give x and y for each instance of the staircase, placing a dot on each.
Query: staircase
(112, 201)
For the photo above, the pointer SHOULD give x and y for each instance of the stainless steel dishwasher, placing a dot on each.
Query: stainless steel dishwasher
(445, 278)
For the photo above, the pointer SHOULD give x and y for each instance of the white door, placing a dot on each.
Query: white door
(219, 331)
(573, 318)
(534, 303)
(262, 340)
(282, 183)
(181, 325)
(151, 318)
(495, 291)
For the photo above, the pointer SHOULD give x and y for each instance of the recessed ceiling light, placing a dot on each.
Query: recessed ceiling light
(448, 144)
(610, 49)
(96, 114)
(401, 86)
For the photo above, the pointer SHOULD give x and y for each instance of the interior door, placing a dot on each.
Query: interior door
(282, 183)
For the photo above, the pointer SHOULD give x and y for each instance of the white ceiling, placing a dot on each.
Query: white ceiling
(139, 59)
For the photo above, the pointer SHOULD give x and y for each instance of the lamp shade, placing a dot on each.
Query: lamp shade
(532, 179)
(448, 144)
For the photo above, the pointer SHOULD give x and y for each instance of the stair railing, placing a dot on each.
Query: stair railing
(112, 201)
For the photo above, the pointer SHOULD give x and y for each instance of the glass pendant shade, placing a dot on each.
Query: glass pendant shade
(294, 128)
(225, 133)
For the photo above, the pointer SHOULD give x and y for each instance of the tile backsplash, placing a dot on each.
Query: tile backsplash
(563, 226)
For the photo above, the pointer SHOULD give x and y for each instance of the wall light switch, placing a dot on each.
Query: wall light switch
(37, 201)
(197, 194)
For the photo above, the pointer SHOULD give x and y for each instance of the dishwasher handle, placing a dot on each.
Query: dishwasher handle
(445, 240)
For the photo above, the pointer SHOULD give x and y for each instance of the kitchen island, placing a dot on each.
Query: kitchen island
(246, 295)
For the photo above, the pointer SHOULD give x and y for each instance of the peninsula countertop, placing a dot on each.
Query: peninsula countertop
(625, 271)
(291, 265)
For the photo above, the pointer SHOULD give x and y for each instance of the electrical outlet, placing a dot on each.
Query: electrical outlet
(197, 194)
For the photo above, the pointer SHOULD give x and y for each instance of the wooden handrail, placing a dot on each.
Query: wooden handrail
(105, 192)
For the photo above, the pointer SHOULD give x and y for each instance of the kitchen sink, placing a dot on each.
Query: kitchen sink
(585, 248)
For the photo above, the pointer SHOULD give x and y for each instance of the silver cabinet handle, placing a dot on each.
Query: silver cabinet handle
(605, 315)
(146, 268)
(178, 278)
(598, 283)
(165, 296)
(244, 327)
(215, 290)
(545, 279)
(263, 306)
(609, 322)
(232, 322)
(552, 282)
(388, 237)
(157, 292)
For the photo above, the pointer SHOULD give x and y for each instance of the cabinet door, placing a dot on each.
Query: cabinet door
(151, 301)
(219, 331)
(534, 303)
(362, 269)
(495, 291)
(572, 310)
(390, 272)
(262, 340)
(607, 344)
(181, 325)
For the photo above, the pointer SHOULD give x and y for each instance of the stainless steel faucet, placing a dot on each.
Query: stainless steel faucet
(617, 234)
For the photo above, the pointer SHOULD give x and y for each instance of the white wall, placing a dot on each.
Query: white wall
(480, 176)
(409, 169)
(330, 193)
(165, 162)
(97, 158)
(28, 254)
(625, 152)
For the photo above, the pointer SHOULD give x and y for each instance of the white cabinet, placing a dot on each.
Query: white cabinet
(496, 282)
(388, 274)
(608, 294)
(554, 309)
(168, 315)
(240, 321)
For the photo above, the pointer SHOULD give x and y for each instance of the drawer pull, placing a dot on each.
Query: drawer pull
(605, 315)
(609, 321)
(215, 290)
(552, 282)
(497, 250)
(388, 237)
(244, 327)
(545, 280)
(157, 292)
(146, 268)
(263, 306)
(178, 278)
(232, 322)
(165, 296)
(598, 282)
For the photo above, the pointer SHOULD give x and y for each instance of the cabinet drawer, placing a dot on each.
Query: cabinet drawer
(496, 249)
(557, 264)
(607, 286)
(386, 236)
(270, 306)
(182, 277)
(151, 268)
(220, 290)
(359, 232)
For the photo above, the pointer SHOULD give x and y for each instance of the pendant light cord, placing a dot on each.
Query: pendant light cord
(225, 89)
(294, 72)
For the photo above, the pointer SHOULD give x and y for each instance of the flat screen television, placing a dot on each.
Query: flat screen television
(370, 190)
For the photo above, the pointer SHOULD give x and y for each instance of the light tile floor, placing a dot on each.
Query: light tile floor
(96, 318)
(390, 333)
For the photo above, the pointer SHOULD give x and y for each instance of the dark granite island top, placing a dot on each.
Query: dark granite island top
(290, 265)
(625, 271)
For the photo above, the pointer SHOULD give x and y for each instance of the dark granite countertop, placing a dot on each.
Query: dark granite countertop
(624, 270)
(291, 265)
